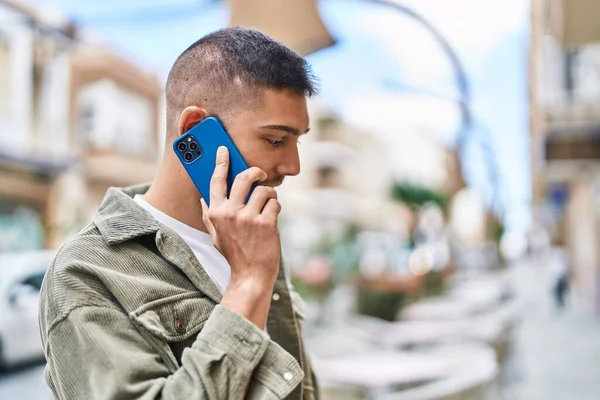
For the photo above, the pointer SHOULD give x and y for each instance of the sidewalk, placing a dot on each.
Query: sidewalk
(556, 354)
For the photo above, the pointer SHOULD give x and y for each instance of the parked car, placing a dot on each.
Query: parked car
(21, 276)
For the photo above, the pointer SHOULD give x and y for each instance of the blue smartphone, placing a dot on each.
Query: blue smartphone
(197, 151)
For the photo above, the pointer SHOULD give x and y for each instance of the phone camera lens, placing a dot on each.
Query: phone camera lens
(193, 146)
(188, 156)
(181, 146)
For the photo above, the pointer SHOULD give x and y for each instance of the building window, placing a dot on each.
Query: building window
(114, 118)
(133, 131)
(21, 228)
(327, 177)
(87, 121)
(327, 129)
(5, 76)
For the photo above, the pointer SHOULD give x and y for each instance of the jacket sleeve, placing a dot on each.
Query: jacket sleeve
(97, 353)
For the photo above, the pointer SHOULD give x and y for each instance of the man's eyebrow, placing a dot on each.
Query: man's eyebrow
(285, 128)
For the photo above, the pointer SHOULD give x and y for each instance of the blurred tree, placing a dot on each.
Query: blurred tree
(417, 196)
(375, 303)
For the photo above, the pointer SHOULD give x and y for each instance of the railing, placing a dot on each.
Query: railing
(571, 90)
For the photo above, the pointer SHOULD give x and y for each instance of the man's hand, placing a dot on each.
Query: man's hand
(247, 236)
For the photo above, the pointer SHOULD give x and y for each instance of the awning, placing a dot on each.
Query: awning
(296, 23)
(38, 163)
(575, 22)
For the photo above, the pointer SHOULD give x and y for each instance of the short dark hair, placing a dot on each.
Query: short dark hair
(224, 71)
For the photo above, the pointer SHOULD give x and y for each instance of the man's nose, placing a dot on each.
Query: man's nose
(290, 165)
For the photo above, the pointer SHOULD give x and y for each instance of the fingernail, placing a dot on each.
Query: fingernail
(221, 150)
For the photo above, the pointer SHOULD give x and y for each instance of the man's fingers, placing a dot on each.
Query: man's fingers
(207, 223)
(218, 182)
(259, 198)
(272, 209)
(243, 182)
(205, 212)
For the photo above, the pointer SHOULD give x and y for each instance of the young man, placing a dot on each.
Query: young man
(162, 297)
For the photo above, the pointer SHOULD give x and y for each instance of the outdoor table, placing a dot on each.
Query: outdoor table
(440, 308)
(382, 370)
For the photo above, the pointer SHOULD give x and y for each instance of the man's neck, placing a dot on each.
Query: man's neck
(173, 193)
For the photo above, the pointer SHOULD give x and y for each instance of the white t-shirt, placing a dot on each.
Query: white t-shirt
(215, 265)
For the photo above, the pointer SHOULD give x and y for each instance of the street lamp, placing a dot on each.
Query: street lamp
(298, 24)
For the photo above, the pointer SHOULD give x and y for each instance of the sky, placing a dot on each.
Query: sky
(405, 80)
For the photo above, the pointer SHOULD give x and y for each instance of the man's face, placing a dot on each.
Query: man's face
(267, 135)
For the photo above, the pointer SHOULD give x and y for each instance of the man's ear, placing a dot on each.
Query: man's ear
(190, 117)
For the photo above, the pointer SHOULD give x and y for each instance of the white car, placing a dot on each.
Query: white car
(21, 276)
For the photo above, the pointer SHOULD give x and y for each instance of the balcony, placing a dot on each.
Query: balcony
(572, 108)
(331, 154)
(117, 169)
(575, 111)
(573, 132)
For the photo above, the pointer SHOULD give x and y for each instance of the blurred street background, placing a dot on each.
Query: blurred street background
(444, 231)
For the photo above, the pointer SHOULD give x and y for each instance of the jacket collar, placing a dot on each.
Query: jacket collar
(120, 218)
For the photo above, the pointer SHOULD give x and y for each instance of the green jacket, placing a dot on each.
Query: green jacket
(127, 312)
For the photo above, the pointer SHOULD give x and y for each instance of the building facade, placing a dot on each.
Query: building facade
(75, 118)
(565, 133)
